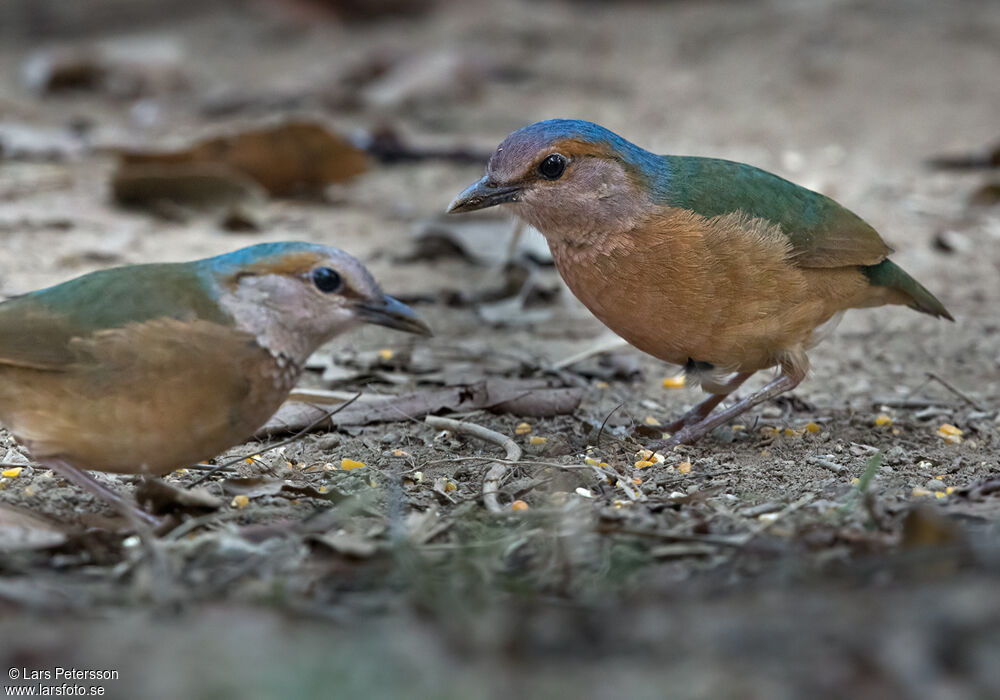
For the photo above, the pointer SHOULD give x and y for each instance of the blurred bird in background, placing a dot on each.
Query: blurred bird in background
(717, 266)
(147, 368)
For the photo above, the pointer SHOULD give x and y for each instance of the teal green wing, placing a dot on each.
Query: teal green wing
(822, 233)
(36, 329)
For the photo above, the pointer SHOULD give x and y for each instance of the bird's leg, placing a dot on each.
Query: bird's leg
(698, 413)
(85, 481)
(786, 381)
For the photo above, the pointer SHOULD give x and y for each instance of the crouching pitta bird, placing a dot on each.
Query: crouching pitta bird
(147, 368)
(714, 265)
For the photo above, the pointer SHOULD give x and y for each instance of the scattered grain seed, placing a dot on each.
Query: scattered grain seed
(812, 427)
(519, 505)
(385, 354)
(348, 464)
(586, 493)
(12, 473)
(239, 501)
(882, 419)
(676, 382)
(643, 463)
(649, 420)
(537, 440)
(684, 468)
(522, 429)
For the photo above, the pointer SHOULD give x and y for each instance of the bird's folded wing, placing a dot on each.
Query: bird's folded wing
(822, 233)
(37, 329)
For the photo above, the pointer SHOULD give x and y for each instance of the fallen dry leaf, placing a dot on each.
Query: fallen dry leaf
(294, 157)
(525, 397)
(21, 530)
(195, 185)
(159, 497)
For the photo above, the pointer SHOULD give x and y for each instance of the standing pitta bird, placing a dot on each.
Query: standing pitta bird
(147, 368)
(717, 266)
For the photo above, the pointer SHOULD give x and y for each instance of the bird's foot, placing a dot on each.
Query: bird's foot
(685, 435)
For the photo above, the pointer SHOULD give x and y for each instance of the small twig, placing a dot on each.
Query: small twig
(326, 396)
(893, 402)
(791, 508)
(491, 482)
(293, 438)
(956, 391)
(827, 464)
(600, 347)
(604, 422)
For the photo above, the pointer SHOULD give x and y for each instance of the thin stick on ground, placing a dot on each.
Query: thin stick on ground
(491, 482)
(956, 391)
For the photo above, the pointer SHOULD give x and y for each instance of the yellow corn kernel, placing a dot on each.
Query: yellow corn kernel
(649, 420)
(637, 481)
(920, 493)
(181, 471)
(791, 432)
(855, 481)
(940, 494)
(677, 382)
(644, 454)
(882, 419)
(401, 453)
(537, 440)
(519, 505)
(522, 429)
(385, 354)
(239, 501)
(950, 490)
(684, 468)
(3, 484)
(591, 461)
(812, 427)
(643, 463)
(348, 464)
(738, 427)
(449, 486)
(949, 429)
(12, 473)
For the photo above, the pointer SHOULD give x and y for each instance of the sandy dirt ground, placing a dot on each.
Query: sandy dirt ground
(836, 542)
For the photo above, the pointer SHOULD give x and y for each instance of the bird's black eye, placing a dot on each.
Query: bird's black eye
(327, 279)
(552, 167)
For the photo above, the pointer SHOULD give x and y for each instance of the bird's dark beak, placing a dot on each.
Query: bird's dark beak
(392, 313)
(482, 194)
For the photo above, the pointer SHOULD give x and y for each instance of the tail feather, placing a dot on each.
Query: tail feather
(889, 274)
